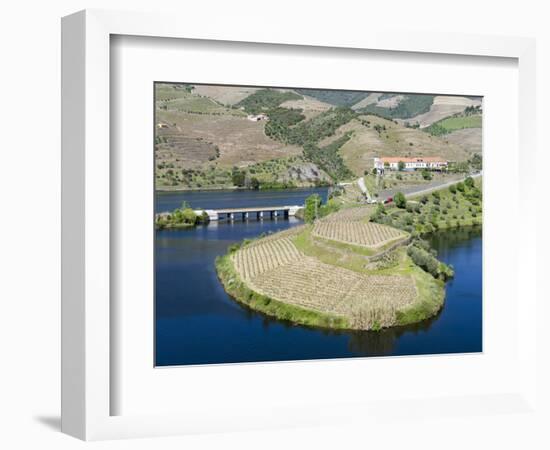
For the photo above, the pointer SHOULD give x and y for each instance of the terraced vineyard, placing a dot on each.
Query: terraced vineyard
(185, 151)
(273, 267)
(363, 299)
(358, 214)
(264, 256)
(368, 234)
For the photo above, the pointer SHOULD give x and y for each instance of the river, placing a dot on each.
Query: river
(198, 323)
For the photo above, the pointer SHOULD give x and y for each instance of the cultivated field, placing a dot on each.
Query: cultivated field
(274, 267)
(357, 214)
(253, 260)
(363, 299)
(241, 142)
(227, 95)
(368, 234)
(443, 106)
(179, 150)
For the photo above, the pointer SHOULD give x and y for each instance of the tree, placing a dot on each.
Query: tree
(189, 216)
(238, 178)
(311, 210)
(400, 200)
(426, 174)
(401, 166)
(460, 186)
(476, 162)
(254, 183)
(469, 182)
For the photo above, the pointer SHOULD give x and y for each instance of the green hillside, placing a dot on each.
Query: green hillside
(410, 106)
(200, 142)
(266, 99)
(450, 124)
(336, 98)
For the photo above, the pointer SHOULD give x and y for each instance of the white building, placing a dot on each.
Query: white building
(419, 163)
(257, 117)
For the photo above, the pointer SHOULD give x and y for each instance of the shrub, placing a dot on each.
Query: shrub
(400, 200)
(312, 205)
(423, 258)
(254, 183)
(238, 178)
(426, 174)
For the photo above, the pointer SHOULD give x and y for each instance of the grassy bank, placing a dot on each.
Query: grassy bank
(235, 287)
(431, 297)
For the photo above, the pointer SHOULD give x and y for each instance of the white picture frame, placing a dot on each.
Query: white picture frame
(87, 386)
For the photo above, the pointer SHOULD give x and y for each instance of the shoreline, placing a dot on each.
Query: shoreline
(236, 188)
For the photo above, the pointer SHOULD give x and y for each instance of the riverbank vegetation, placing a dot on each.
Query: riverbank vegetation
(184, 217)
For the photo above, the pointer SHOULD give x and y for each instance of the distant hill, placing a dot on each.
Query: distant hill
(336, 98)
(401, 106)
(205, 138)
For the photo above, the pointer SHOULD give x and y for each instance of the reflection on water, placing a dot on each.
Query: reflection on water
(382, 343)
(198, 323)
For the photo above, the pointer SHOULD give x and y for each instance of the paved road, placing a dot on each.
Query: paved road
(363, 187)
(421, 189)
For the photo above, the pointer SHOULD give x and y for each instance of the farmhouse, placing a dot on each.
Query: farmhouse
(257, 117)
(418, 163)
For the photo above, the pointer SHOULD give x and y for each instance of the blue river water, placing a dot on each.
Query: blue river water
(198, 323)
(168, 201)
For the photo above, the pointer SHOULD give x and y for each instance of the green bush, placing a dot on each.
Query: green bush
(312, 206)
(424, 259)
(426, 174)
(400, 200)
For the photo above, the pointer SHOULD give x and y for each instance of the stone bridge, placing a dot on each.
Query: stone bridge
(245, 213)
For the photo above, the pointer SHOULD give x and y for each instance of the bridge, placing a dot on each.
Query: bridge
(245, 213)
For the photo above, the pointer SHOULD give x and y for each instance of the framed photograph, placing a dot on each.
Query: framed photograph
(346, 222)
(239, 217)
